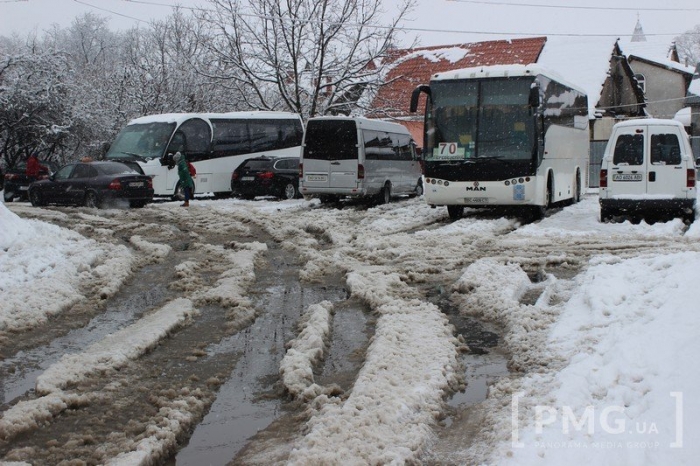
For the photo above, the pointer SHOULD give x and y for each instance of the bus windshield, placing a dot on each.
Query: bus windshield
(487, 119)
(141, 141)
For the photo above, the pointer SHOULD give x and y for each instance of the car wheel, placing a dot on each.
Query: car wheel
(35, 198)
(290, 191)
(91, 200)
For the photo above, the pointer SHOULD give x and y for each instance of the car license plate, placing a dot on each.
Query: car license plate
(316, 177)
(136, 184)
(23, 188)
(477, 200)
(247, 178)
(627, 177)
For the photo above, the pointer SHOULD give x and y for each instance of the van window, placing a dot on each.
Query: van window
(378, 145)
(331, 140)
(665, 149)
(629, 149)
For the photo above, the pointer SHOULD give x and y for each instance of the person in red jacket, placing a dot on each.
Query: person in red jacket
(34, 168)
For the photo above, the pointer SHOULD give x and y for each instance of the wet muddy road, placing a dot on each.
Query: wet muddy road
(221, 365)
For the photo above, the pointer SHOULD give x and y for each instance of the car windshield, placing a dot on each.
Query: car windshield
(115, 169)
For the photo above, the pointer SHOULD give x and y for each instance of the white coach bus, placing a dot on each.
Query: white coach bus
(358, 157)
(513, 135)
(215, 143)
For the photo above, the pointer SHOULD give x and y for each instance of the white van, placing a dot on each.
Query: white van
(648, 169)
(358, 157)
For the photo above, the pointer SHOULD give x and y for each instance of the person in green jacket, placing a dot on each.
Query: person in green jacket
(183, 173)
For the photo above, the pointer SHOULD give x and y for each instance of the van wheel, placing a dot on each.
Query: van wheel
(419, 189)
(385, 194)
(455, 211)
(606, 214)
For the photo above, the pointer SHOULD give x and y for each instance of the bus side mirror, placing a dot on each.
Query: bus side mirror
(416, 94)
(534, 98)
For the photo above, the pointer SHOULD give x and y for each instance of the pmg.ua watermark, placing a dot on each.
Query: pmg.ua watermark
(609, 424)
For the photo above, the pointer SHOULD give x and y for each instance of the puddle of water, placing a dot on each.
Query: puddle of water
(344, 357)
(18, 373)
(481, 371)
(242, 407)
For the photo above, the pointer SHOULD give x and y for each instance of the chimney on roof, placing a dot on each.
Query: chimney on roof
(638, 34)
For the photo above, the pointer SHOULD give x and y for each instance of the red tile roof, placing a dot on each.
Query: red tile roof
(412, 67)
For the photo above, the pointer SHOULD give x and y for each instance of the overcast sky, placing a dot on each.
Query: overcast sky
(434, 22)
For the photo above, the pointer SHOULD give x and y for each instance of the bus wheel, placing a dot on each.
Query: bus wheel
(179, 194)
(385, 194)
(577, 188)
(455, 211)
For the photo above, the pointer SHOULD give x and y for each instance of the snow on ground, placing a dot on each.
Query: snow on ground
(608, 362)
(45, 269)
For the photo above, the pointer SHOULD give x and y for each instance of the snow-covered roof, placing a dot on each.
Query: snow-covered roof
(654, 51)
(584, 61)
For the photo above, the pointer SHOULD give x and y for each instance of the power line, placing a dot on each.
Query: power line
(110, 11)
(573, 7)
(460, 31)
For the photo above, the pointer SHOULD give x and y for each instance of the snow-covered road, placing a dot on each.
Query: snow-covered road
(597, 322)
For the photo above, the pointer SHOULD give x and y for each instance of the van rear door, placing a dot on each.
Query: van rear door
(666, 173)
(330, 154)
(628, 171)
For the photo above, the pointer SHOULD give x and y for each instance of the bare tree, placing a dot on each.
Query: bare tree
(312, 57)
(34, 117)
(688, 46)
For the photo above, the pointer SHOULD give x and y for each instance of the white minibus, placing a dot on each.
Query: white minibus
(358, 157)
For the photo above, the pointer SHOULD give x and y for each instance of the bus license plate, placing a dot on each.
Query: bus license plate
(316, 177)
(627, 177)
(477, 200)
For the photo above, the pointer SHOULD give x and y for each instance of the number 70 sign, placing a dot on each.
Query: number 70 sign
(450, 150)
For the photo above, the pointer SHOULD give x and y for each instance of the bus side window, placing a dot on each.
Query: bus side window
(230, 137)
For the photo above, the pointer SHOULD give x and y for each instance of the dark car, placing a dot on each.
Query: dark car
(267, 176)
(16, 180)
(93, 184)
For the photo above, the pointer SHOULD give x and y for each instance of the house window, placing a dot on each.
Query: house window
(642, 82)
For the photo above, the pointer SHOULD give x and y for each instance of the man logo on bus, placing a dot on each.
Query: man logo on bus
(476, 187)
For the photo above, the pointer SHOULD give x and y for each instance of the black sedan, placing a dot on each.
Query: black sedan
(267, 176)
(94, 184)
(16, 180)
